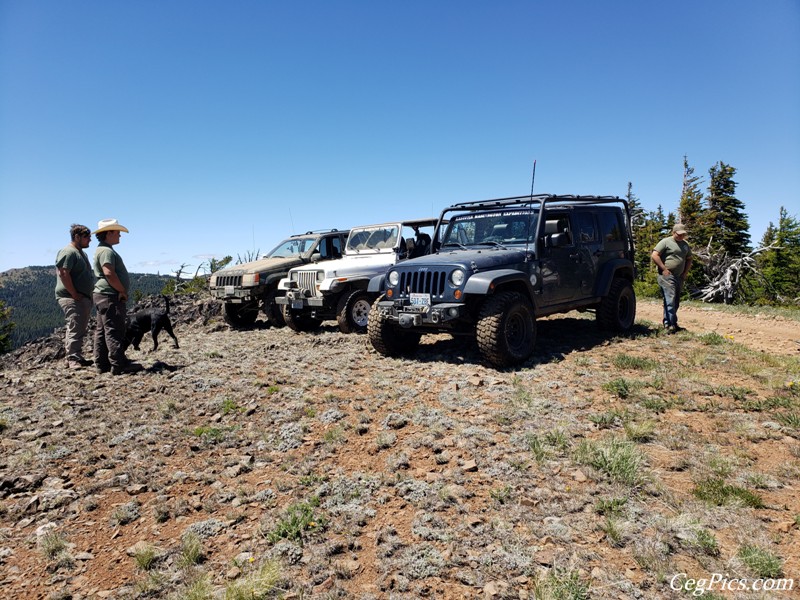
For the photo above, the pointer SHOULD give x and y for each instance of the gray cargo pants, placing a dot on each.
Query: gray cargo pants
(76, 313)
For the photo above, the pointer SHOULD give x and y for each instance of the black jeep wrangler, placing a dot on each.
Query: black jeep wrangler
(500, 264)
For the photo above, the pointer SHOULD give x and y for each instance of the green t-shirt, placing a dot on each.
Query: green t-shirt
(77, 263)
(105, 255)
(674, 254)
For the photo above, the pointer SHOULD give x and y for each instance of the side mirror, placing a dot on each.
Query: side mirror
(557, 240)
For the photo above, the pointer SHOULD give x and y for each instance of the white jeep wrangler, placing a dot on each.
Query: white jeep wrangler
(337, 289)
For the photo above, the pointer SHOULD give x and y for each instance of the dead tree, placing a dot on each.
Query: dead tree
(729, 277)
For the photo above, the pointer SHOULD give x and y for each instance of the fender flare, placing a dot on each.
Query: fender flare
(376, 283)
(613, 268)
(483, 283)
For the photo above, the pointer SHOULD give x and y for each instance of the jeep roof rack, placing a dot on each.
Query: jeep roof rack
(406, 222)
(540, 198)
(313, 231)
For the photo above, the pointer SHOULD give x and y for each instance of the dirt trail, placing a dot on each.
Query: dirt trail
(766, 333)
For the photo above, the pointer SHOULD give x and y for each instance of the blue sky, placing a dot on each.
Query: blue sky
(218, 128)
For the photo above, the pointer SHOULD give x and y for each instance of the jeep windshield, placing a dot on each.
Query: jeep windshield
(291, 247)
(493, 228)
(379, 238)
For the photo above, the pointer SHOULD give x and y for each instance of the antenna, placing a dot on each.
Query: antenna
(290, 218)
(530, 214)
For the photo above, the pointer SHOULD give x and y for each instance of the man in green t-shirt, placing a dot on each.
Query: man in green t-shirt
(110, 297)
(74, 283)
(673, 257)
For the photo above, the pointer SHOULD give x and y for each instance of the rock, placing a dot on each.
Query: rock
(491, 589)
(233, 573)
(786, 526)
(140, 547)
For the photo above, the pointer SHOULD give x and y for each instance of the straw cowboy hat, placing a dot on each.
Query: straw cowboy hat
(110, 225)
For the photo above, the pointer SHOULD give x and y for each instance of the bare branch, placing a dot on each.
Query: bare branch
(728, 276)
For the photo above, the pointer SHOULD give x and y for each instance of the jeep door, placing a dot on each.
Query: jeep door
(568, 264)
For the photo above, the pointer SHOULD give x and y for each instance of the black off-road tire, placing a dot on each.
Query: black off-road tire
(273, 312)
(506, 329)
(352, 312)
(240, 316)
(617, 311)
(389, 339)
(299, 322)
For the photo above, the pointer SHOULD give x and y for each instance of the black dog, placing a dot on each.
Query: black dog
(152, 320)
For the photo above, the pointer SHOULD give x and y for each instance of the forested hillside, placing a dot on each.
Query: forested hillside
(30, 292)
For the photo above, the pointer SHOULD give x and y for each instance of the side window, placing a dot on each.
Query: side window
(586, 231)
(612, 228)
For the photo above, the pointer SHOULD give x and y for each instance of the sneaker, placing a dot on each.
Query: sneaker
(74, 364)
(85, 362)
(128, 368)
(672, 329)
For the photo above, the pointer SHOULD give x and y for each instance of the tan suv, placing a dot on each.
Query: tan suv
(247, 288)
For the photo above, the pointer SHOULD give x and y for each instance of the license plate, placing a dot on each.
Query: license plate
(420, 299)
(229, 290)
(297, 304)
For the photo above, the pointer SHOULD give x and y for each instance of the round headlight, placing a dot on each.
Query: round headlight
(320, 275)
(292, 275)
(457, 277)
(394, 278)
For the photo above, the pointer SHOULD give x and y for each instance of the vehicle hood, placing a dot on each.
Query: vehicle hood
(475, 260)
(263, 265)
(359, 265)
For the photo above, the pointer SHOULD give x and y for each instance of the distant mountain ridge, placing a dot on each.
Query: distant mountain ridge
(30, 292)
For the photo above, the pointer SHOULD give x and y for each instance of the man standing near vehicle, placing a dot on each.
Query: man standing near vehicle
(673, 257)
(110, 298)
(74, 283)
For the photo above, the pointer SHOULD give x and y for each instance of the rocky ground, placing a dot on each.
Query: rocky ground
(264, 463)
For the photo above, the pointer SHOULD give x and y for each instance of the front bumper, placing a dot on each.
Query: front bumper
(234, 294)
(407, 315)
(298, 300)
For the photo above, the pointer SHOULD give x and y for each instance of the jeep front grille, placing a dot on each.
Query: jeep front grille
(307, 280)
(234, 280)
(422, 282)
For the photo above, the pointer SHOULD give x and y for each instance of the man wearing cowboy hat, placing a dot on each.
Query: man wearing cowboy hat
(110, 296)
(673, 257)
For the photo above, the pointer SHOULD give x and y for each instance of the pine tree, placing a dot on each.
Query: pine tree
(655, 228)
(780, 265)
(690, 207)
(693, 216)
(641, 243)
(6, 327)
(726, 221)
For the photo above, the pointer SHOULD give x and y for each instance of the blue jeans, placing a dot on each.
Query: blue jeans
(671, 288)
